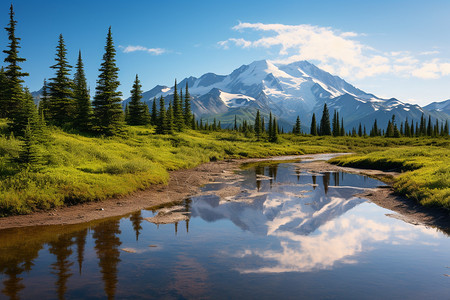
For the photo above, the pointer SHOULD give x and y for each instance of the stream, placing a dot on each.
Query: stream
(270, 231)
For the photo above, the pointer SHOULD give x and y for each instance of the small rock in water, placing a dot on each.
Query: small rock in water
(153, 246)
(101, 208)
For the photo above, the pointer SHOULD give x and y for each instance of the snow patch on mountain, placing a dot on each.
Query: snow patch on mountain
(235, 100)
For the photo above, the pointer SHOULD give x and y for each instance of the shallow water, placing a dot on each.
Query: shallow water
(285, 233)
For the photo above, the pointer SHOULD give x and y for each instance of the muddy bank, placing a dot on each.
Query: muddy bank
(185, 183)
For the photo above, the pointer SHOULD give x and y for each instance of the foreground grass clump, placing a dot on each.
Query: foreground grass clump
(426, 176)
(76, 168)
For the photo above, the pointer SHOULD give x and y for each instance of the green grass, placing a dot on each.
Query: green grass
(78, 168)
(426, 171)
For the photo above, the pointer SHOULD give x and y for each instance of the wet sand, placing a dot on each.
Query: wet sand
(185, 183)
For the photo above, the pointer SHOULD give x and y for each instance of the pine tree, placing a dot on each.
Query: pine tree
(43, 102)
(138, 111)
(61, 103)
(187, 107)
(154, 117)
(31, 115)
(3, 90)
(177, 110)
(342, 128)
(83, 108)
(193, 123)
(429, 127)
(169, 120)
(446, 133)
(407, 128)
(422, 128)
(127, 113)
(374, 131)
(162, 122)
(325, 127)
(28, 155)
(13, 92)
(257, 125)
(235, 128)
(360, 130)
(336, 131)
(108, 115)
(270, 125)
(313, 125)
(390, 129)
(273, 134)
(436, 129)
(297, 128)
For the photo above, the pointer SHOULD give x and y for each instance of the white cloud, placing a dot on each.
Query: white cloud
(153, 51)
(429, 52)
(238, 42)
(339, 52)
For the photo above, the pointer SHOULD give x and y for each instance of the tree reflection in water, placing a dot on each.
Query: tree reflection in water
(107, 245)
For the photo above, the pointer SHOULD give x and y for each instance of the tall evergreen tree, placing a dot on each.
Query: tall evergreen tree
(43, 102)
(436, 129)
(360, 130)
(13, 72)
(325, 127)
(108, 115)
(162, 122)
(429, 127)
(61, 103)
(423, 126)
(83, 108)
(257, 125)
(313, 125)
(270, 126)
(170, 126)
(297, 127)
(138, 111)
(187, 107)
(178, 119)
(273, 134)
(336, 130)
(342, 127)
(407, 128)
(127, 113)
(445, 132)
(389, 129)
(235, 128)
(28, 155)
(3, 90)
(154, 116)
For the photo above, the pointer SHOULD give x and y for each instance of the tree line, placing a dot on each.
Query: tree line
(66, 103)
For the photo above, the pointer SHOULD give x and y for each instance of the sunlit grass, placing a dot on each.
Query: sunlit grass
(77, 168)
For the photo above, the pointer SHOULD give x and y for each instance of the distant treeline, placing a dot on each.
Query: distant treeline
(66, 103)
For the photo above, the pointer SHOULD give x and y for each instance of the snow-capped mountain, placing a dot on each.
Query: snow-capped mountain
(298, 88)
(439, 107)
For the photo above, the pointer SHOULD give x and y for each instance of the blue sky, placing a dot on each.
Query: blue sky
(390, 48)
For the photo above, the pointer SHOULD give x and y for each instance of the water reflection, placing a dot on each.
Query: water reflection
(107, 245)
(136, 219)
(283, 225)
(61, 249)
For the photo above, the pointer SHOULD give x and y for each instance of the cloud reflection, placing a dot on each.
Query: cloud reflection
(338, 241)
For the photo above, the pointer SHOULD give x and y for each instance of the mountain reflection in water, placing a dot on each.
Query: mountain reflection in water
(283, 234)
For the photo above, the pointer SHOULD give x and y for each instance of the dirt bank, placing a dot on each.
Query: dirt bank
(184, 183)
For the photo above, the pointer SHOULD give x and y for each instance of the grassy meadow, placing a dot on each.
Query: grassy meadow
(76, 168)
